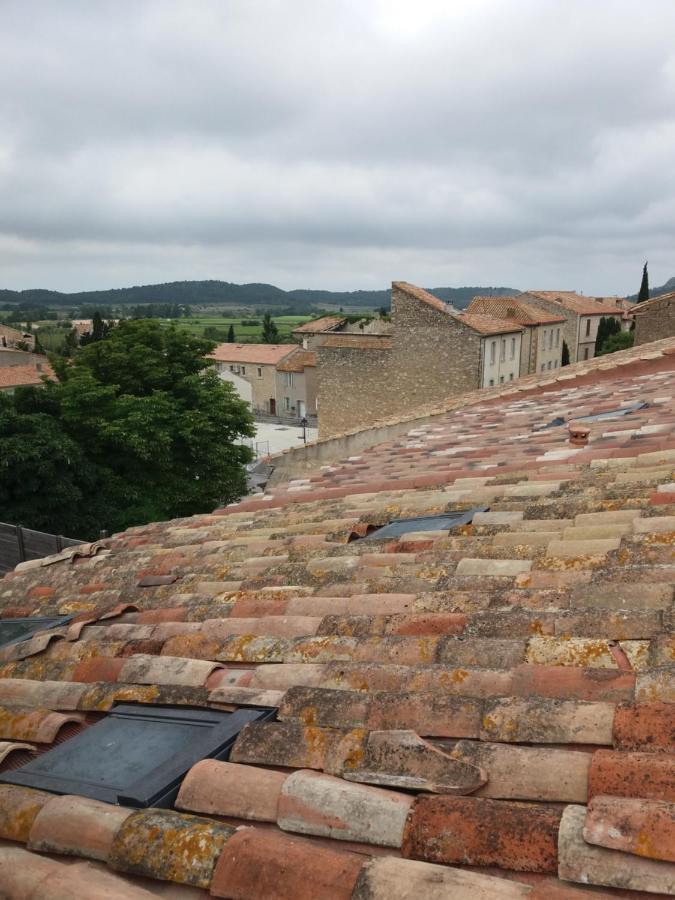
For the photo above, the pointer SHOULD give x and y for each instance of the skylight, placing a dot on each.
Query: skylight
(12, 631)
(441, 522)
(138, 755)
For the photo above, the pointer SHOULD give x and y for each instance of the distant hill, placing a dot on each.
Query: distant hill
(657, 291)
(214, 293)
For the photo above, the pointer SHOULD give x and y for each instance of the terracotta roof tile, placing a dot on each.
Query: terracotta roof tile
(486, 324)
(298, 361)
(513, 307)
(344, 341)
(265, 354)
(19, 376)
(583, 306)
(325, 323)
(500, 657)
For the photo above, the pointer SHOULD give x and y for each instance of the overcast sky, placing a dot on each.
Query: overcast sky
(310, 143)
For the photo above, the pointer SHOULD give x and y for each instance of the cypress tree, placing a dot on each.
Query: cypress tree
(644, 287)
(230, 335)
(565, 356)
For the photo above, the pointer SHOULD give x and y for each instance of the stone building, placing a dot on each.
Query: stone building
(429, 352)
(311, 334)
(11, 337)
(257, 364)
(541, 346)
(582, 315)
(297, 384)
(655, 318)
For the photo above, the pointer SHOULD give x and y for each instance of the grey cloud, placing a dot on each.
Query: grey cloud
(331, 143)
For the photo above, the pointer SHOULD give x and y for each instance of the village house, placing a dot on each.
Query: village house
(541, 345)
(429, 351)
(12, 337)
(310, 334)
(24, 375)
(654, 319)
(582, 315)
(257, 364)
(297, 384)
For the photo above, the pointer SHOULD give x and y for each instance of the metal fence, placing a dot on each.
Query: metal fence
(17, 544)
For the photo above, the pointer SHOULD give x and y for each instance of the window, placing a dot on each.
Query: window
(543, 338)
(287, 402)
(585, 352)
(513, 347)
(543, 367)
(231, 368)
(588, 328)
(493, 352)
(243, 370)
(288, 379)
(510, 376)
(492, 382)
(549, 365)
(138, 755)
(502, 352)
(501, 379)
(557, 337)
(259, 371)
(555, 364)
(550, 339)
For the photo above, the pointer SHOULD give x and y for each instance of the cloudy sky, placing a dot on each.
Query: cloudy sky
(337, 143)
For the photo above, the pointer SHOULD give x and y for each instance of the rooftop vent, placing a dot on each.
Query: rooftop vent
(442, 522)
(137, 755)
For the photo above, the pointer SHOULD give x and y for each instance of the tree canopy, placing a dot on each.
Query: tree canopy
(137, 428)
(270, 332)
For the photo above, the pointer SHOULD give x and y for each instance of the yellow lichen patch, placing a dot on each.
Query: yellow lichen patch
(309, 715)
(644, 846)
(72, 607)
(560, 651)
(18, 808)
(637, 653)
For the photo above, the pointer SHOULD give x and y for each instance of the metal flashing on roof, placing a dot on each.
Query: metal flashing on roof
(138, 755)
(614, 413)
(13, 631)
(441, 522)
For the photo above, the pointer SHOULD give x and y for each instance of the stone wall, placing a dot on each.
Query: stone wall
(430, 355)
(656, 320)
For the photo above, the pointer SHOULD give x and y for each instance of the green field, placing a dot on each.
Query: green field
(246, 334)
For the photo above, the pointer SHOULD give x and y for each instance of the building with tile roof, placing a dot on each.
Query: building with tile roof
(12, 377)
(654, 319)
(11, 337)
(541, 345)
(257, 364)
(477, 704)
(428, 350)
(310, 333)
(583, 316)
(297, 383)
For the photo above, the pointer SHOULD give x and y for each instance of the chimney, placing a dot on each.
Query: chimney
(578, 434)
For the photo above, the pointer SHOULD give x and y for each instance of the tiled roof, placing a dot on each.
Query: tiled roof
(486, 324)
(18, 376)
(513, 307)
(325, 323)
(583, 306)
(347, 341)
(420, 294)
(639, 308)
(298, 361)
(267, 354)
(483, 713)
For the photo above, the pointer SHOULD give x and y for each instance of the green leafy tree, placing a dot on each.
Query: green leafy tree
(270, 332)
(156, 430)
(606, 328)
(644, 286)
(622, 340)
(230, 335)
(565, 355)
(46, 482)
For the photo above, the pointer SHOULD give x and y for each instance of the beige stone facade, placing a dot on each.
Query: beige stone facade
(297, 384)
(541, 345)
(655, 319)
(257, 364)
(582, 318)
(431, 353)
